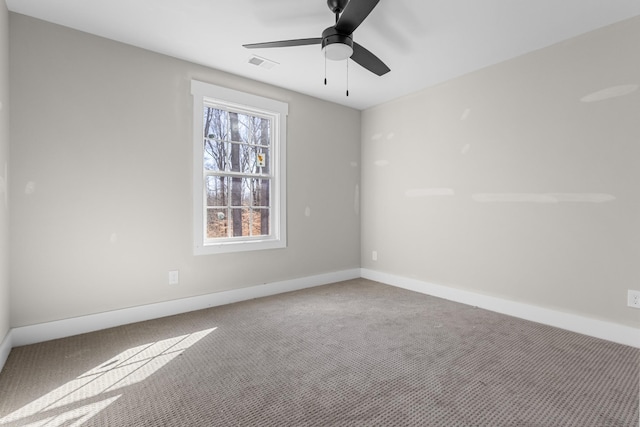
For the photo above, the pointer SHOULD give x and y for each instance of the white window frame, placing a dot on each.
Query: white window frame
(205, 94)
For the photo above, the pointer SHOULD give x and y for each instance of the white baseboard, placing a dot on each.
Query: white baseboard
(5, 348)
(584, 325)
(26, 335)
(63, 328)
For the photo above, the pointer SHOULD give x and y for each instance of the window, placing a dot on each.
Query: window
(239, 170)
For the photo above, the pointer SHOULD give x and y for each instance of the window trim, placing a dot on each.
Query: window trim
(207, 94)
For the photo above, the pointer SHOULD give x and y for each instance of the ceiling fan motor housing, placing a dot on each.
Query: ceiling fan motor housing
(336, 46)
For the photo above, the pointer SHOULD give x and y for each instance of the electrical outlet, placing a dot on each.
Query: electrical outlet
(173, 277)
(374, 255)
(633, 298)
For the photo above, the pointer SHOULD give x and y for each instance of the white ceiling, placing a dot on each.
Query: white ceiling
(424, 42)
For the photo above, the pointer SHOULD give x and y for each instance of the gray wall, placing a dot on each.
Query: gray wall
(4, 159)
(101, 179)
(502, 182)
(506, 182)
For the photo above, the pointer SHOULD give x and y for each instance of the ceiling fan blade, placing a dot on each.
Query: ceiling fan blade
(368, 60)
(284, 43)
(353, 15)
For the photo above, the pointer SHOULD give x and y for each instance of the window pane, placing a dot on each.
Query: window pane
(235, 157)
(217, 190)
(262, 131)
(260, 222)
(216, 155)
(260, 193)
(217, 223)
(241, 191)
(236, 191)
(216, 124)
(244, 128)
(239, 222)
(247, 190)
(263, 158)
(258, 160)
(235, 127)
(249, 222)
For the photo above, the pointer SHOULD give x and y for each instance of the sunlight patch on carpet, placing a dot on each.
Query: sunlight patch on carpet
(132, 366)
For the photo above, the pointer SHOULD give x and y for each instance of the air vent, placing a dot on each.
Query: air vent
(262, 62)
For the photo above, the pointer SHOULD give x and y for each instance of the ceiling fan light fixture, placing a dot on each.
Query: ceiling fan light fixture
(337, 51)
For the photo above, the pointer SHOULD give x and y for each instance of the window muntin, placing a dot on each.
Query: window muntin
(239, 146)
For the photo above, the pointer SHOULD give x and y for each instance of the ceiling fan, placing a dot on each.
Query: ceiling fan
(337, 41)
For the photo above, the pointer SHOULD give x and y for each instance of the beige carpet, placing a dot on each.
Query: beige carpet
(356, 353)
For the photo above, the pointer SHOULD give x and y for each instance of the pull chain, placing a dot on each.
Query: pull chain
(347, 76)
(325, 67)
